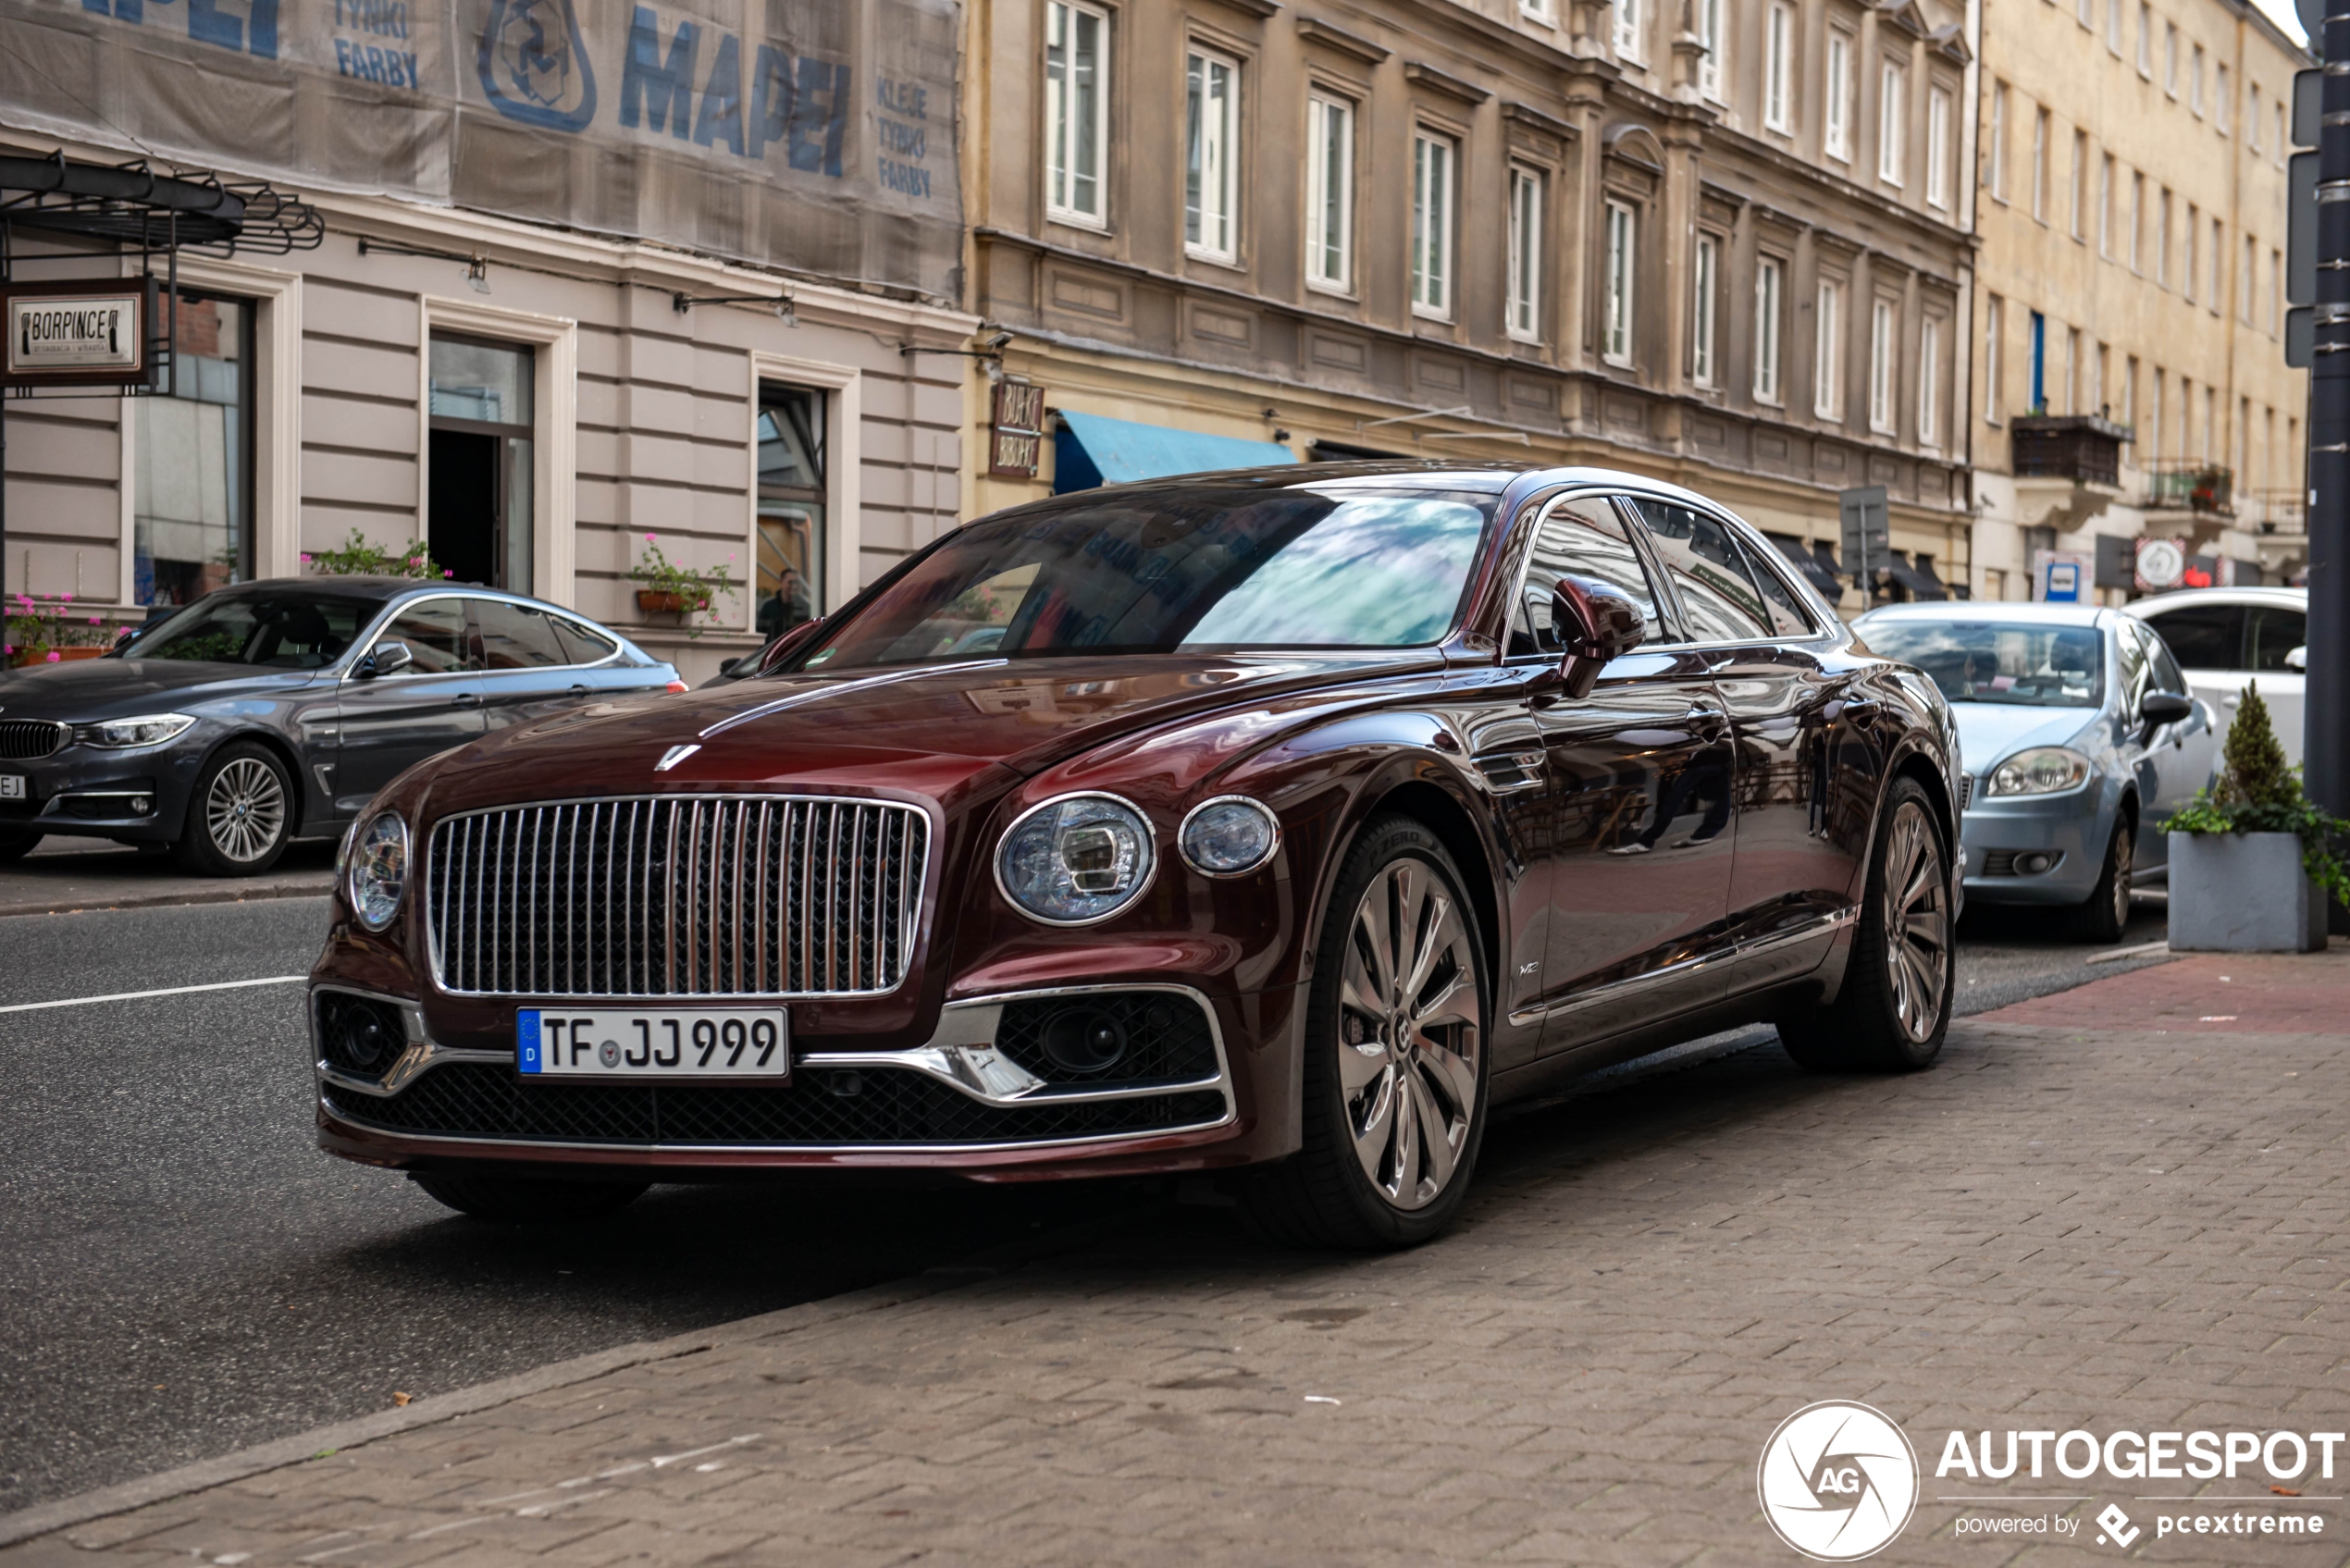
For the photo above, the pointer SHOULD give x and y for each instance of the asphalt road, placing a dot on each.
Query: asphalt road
(183, 1274)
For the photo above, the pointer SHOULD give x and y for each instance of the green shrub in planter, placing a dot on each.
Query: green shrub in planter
(2251, 862)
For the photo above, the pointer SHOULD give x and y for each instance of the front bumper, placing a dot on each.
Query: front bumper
(2004, 839)
(138, 796)
(971, 1098)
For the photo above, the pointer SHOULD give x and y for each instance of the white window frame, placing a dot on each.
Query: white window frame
(2195, 82)
(2221, 94)
(554, 436)
(844, 392)
(1828, 346)
(1835, 108)
(1994, 402)
(1706, 280)
(1930, 381)
(1769, 290)
(2081, 186)
(1892, 122)
(2145, 40)
(1211, 230)
(1061, 184)
(2105, 206)
(1778, 68)
(2113, 27)
(1322, 109)
(1436, 161)
(2248, 292)
(1885, 325)
(2252, 116)
(2219, 265)
(2041, 126)
(2137, 220)
(1621, 235)
(1538, 11)
(1631, 22)
(2171, 58)
(1937, 147)
(1995, 172)
(1528, 210)
(1712, 16)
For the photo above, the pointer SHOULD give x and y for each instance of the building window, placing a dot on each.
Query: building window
(2219, 263)
(1827, 394)
(2220, 95)
(2105, 205)
(1526, 255)
(1768, 279)
(2094, 401)
(1996, 160)
(1938, 148)
(1995, 392)
(2036, 346)
(1434, 159)
(1884, 350)
(2072, 370)
(2040, 164)
(2085, 13)
(1329, 193)
(2194, 83)
(1538, 10)
(2276, 292)
(2113, 26)
(1930, 382)
(2129, 392)
(1837, 117)
(192, 520)
(1076, 111)
(2277, 149)
(1211, 185)
(1892, 124)
(2171, 58)
(1712, 32)
(2162, 241)
(1708, 281)
(2248, 285)
(2137, 215)
(2081, 185)
(1622, 257)
(478, 510)
(2146, 41)
(2252, 115)
(1628, 19)
(1778, 46)
(792, 542)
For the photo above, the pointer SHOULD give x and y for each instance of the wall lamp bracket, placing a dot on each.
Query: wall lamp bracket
(786, 309)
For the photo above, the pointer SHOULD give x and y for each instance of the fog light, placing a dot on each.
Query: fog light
(1084, 1040)
(2033, 865)
(142, 805)
(358, 1034)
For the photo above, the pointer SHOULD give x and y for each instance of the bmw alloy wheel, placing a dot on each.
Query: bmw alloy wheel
(1411, 1026)
(245, 810)
(1917, 917)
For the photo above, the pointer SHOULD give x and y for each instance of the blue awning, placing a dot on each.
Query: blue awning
(1094, 451)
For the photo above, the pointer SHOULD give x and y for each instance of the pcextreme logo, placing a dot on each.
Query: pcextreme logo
(1838, 1481)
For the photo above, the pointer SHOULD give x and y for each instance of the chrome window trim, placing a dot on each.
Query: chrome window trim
(918, 895)
(365, 643)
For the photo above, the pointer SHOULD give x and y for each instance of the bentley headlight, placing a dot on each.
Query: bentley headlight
(377, 870)
(2043, 770)
(1075, 860)
(125, 734)
(1229, 835)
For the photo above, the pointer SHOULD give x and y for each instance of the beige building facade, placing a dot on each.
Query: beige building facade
(2129, 366)
(1720, 242)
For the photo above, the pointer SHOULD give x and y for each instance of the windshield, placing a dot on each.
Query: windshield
(281, 630)
(2030, 666)
(1162, 573)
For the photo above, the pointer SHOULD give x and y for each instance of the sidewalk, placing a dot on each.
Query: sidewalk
(2074, 1221)
(63, 875)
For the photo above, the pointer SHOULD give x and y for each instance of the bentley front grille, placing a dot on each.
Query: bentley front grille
(677, 895)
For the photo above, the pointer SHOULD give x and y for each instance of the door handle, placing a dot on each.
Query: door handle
(1863, 710)
(464, 700)
(580, 691)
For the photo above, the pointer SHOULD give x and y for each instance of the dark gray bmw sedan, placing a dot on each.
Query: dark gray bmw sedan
(273, 710)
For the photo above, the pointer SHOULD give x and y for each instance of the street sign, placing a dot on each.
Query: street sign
(2161, 564)
(2057, 578)
(2309, 89)
(2301, 229)
(2301, 337)
(1014, 443)
(2313, 22)
(1866, 531)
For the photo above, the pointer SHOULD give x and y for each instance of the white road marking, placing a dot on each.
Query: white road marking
(167, 990)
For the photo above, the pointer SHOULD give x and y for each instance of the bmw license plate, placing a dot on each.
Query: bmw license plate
(11, 786)
(729, 1043)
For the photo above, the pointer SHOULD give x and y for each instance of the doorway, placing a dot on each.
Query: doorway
(479, 512)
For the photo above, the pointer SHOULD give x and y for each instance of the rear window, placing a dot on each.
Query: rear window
(2014, 664)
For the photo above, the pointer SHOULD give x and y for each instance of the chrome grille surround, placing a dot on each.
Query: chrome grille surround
(677, 895)
(28, 740)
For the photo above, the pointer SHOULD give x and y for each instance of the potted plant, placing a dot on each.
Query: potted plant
(50, 631)
(2251, 861)
(664, 588)
(357, 558)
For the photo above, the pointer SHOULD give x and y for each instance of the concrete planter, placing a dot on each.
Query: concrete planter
(2243, 893)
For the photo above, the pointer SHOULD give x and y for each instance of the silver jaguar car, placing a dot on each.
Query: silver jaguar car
(2079, 735)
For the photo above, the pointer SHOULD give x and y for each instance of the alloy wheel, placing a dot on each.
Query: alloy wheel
(2124, 863)
(245, 810)
(1917, 921)
(1411, 1026)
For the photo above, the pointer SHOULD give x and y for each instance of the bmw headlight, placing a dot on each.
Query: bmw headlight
(375, 869)
(125, 734)
(2043, 770)
(1075, 860)
(1228, 836)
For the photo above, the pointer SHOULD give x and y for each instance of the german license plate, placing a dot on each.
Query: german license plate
(11, 786)
(729, 1043)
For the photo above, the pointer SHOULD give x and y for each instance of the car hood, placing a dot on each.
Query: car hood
(1991, 732)
(924, 729)
(87, 689)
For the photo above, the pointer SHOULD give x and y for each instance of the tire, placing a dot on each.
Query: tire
(240, 815)
(522, 1200)
(2107, 914)
(1364, 1180)
(1894, 1007)
(17, 846)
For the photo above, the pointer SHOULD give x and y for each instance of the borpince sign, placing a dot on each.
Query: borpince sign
(79, 332)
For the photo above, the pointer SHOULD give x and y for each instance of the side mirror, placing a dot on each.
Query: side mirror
(1598, 624)
(788, 642)
(2298, 659)
(387, 658)
(2160, 708)
(124, 635)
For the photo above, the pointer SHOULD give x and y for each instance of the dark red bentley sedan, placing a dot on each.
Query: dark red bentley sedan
(1273, 825)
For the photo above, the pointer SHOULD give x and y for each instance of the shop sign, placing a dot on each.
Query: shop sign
(2162, 564)
(1018, 438)
(78, 332)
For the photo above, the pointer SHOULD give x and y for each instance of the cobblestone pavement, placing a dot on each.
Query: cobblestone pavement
(2062, 1226)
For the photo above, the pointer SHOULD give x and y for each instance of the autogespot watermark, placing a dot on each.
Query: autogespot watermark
(1841, 1481)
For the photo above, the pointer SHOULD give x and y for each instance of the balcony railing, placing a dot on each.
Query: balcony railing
(2189, 485)
(2080, 447)
(2281, 511)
